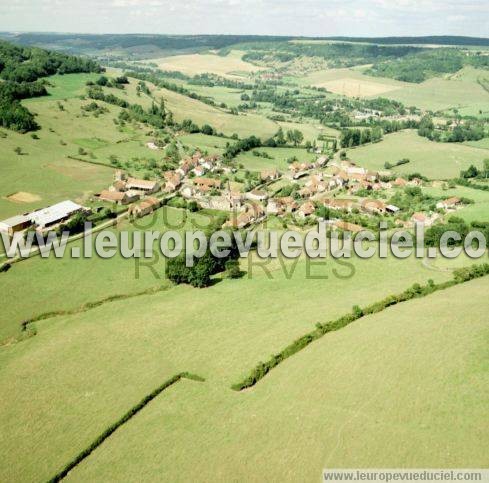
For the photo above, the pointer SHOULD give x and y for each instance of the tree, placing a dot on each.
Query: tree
(295, 137)
(486, 167)
(279, 137)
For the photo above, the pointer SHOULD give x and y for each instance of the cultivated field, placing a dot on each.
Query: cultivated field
(352, 83)
(434, 160)
(230, 65)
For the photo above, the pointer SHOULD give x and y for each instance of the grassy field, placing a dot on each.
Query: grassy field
(479, 211)
(44, 168)
(351, 82)
(168, 335)
(279, 158)
(483, 144)
(184, 107)
(230, 65)
(459, 90)
(311, 131)
(371, 395)
(212, 144)
(94, 278)
(434, 160)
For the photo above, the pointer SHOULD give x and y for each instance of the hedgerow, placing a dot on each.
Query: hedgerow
(126, 417)
(416, 291)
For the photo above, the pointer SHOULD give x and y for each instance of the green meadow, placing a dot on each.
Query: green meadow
(47, 169)
(431, 159)
(166, 335)
(478, 211)
(460, 91)
(279, 157)
(94, 278)
(244, 124)
(84, 340)
(372, 395)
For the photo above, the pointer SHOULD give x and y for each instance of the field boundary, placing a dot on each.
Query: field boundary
(416, 291)
(27, 329)
(124, 419)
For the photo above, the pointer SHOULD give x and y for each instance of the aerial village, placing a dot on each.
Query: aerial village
(346, 196)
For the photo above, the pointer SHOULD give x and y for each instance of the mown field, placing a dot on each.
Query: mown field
(406, 387)
(431, 159)
(166, 334)
(210, 337)
(460, 90)
(351, 82)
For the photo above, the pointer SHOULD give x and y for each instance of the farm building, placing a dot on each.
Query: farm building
(257, 195)
(373, 206)
(450, 203)
(207, 182)
(346, 226)
(340, 204)
(269, 174)
(146, 186)
(15, 224)
(145, 207)
(307, 209)
(52, 215)
(119, 197)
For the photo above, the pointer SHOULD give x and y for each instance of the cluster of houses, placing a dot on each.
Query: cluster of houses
(44, 219)
(197, 178)
(134, 192)
(125, 190)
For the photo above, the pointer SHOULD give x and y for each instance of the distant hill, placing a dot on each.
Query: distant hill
(433, 39)
(141, 44)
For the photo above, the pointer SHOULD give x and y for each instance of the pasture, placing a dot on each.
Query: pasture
(244, 124)
(478, 211)
(372, 395)
(460, 90)
(279, 157)
(431, 159)
(95, 278)
(46, 168)
(210, 337)
(204, 142)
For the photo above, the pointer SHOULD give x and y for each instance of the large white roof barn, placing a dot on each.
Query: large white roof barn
(15, 223)
(55, 213)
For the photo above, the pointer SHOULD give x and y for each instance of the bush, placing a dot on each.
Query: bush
(232, 269)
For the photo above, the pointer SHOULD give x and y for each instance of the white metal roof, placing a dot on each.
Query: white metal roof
(54, 213)
(16, 220)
